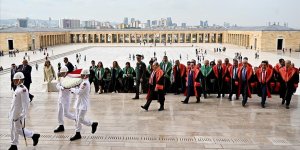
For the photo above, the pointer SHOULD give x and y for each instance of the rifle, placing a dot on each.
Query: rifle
(23, 131)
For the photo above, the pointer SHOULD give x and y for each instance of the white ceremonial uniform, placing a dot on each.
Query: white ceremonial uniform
(17, 114)
(82, 104)
(63, 104)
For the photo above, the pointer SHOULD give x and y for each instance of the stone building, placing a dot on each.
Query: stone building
(269, 38)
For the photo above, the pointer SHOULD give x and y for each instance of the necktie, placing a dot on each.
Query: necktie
(264, 76)
(151, 79)
(233, 76)
(244, 74)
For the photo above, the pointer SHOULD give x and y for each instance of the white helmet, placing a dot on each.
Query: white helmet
(64, 69)
(19, 75)
(85, 71)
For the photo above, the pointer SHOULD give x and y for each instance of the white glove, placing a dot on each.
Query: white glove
(72, 90)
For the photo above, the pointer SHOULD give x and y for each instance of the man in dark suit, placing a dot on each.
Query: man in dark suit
(232, 74)
(156, 87)
(13, 70)
(26, 70)
(92, 76)
(263, 77)
(68, 65)
(140, 71)
(245, 73)
(289, 78)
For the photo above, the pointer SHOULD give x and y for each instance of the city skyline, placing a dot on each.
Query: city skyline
(243, 13)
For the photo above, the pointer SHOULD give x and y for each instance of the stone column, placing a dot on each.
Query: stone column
(123, 38)
(135, 38)
(159, 37)
(147, 37)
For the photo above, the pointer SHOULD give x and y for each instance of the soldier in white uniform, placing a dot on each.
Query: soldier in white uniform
(63, 102)
(18, 113)
(82, 104)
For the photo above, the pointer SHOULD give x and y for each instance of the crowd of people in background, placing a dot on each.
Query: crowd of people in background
(207, 77)
(157, 79)
(197, 79)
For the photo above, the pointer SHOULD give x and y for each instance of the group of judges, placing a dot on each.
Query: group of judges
(192, 79)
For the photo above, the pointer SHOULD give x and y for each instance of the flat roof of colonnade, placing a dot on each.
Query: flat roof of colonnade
(273, 28)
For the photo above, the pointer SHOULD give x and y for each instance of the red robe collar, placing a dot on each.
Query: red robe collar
(182, 70)
(159, 73)
(287, 74)
(241, 65)
(224, 69)
(269, 74)
(249, 72)
(230, 70)
(228, 65)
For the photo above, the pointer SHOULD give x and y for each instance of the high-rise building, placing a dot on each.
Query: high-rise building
(169, 21)
(201, 23)
(183, 25)
(23, 22)
(69, 23)
(132, 20)
(90, 24)
(163, 22)
(154, 23)
(125, 21)
(148, 24)
(205, 24)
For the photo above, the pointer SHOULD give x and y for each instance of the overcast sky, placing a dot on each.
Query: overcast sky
(240, 12)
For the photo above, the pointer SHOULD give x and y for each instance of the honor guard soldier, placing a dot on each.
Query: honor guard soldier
(82, 104)
(18, 113)
(63, 101)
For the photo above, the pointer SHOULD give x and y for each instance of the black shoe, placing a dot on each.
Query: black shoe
(13, 147)
(223, 95)
(161, 109)
(243, 103)
(263, 105)
(144, 108)
(60, 128)
(287, 107)
(184, 102)
(218, 96)
(282, 102)
(205, 95)
(77, 136)
(135, 98)
(198, 100)
(31, 97)
(35, 139)
(94, 127)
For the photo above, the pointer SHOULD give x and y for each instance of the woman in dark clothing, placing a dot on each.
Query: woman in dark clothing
(106, 79)
(116, 78)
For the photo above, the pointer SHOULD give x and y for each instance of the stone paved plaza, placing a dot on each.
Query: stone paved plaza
(212, 124)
